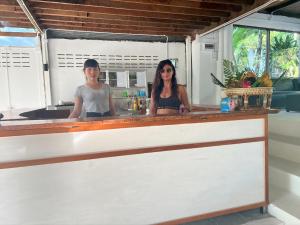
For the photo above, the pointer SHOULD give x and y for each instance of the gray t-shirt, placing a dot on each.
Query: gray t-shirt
(94, 100)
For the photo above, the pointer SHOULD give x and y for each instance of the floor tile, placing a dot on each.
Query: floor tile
(203, 222)
(249, 217)
(265, 221)
(253, 214)
(232, 219)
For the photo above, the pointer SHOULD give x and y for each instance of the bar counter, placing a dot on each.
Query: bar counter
(133, 170)
(29, 127)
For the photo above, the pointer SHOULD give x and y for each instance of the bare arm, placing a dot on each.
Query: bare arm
(77, 108)
(152, 105)
(184, 99)
(111, 106)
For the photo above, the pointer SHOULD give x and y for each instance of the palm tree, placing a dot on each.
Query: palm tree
(283, 56)
(249, 46)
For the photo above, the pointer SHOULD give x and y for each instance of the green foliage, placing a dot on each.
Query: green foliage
(281, 44)
(249, 46)
(284, 52)
(230, 72)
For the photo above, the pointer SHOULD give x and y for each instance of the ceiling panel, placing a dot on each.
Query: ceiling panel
(173, 18)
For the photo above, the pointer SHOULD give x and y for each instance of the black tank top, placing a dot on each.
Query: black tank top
(171, 102)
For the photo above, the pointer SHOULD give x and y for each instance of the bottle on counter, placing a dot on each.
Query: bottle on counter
(138, 100)
(135, 104)
(143, 106)
(129, 104)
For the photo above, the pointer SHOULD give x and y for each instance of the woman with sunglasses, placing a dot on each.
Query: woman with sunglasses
(167, 97)
(93, 97)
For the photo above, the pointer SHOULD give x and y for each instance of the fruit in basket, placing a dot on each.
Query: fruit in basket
(249, 74)
(246, 84)
(263, 81)
(234, 84)
(245, 78)
(248, 77)
(265, 77)
(266, 81)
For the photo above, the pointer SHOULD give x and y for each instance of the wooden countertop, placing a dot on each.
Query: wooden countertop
(30, 127)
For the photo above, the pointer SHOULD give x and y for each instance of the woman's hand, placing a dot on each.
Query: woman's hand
(152, 107)
(185, 105)
(77, 108)
(183, 109)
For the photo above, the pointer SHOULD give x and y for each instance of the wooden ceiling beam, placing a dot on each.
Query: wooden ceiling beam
(12, 19)
(120, 27)
(17, 34)
(8, 2)
(235, 16)
(146, 17)
(11, 8)
(235, 2)
(167, 19)
(213, 5)
(124, 8)
(48, 14)
(30, 15)
(176, 5)
(185, 3)
(16, 24)
(159, 17)
(20, 15)
(112, 30)
(145, 24)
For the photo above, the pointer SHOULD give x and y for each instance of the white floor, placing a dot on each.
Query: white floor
(284, 169)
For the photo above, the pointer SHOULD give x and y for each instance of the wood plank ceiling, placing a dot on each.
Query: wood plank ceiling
(153, 17)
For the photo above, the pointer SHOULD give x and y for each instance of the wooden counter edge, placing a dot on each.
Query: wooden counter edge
(63, 126)
(124, 152)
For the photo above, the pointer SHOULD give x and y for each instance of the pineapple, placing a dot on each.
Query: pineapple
(263, 81)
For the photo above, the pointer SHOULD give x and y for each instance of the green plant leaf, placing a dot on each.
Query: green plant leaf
(230, 71)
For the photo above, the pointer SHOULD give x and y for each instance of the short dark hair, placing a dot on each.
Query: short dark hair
(91, 63)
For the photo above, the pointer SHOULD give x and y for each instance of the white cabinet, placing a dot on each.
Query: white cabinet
(125, 85)
(124, 79)
(141, 79)
(137, 79)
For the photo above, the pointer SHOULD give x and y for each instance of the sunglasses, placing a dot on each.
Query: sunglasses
(169, 70)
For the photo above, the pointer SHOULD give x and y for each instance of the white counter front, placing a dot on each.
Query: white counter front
(169, 173)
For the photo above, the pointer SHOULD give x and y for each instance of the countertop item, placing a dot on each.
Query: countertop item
(45, 113)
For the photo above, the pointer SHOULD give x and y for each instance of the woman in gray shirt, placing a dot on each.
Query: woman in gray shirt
(93, 97)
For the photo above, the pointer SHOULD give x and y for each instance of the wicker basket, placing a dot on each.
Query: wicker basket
(264, 96)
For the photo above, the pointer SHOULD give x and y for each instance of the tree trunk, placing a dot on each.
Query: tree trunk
(258, 52)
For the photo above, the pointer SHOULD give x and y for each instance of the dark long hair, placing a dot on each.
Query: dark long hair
(158, 83)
